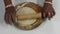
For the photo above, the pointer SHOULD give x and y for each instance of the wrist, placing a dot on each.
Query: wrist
(49, 0)
(7, 6)
(47, 3)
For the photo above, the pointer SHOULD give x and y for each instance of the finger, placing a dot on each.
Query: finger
(44, 15)
(49, 15)
(54, 13)
(13, 18)
(6, 18)
(10, 20)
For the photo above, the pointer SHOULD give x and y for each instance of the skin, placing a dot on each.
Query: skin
(48, 11)
(10, 12)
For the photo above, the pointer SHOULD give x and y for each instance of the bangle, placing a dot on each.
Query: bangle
(8, 5)
(48, 2)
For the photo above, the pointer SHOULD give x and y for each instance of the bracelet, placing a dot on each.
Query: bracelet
(8, 5)
(48, 2)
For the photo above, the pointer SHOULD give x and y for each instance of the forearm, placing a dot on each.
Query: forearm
(49, 0)
(8, 6)
(7, 2)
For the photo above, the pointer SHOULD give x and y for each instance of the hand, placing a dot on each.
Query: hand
(9, 15)
(48, 11)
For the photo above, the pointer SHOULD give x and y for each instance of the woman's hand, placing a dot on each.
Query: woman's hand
(48, 11)
(9, 11)
(9, 15)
